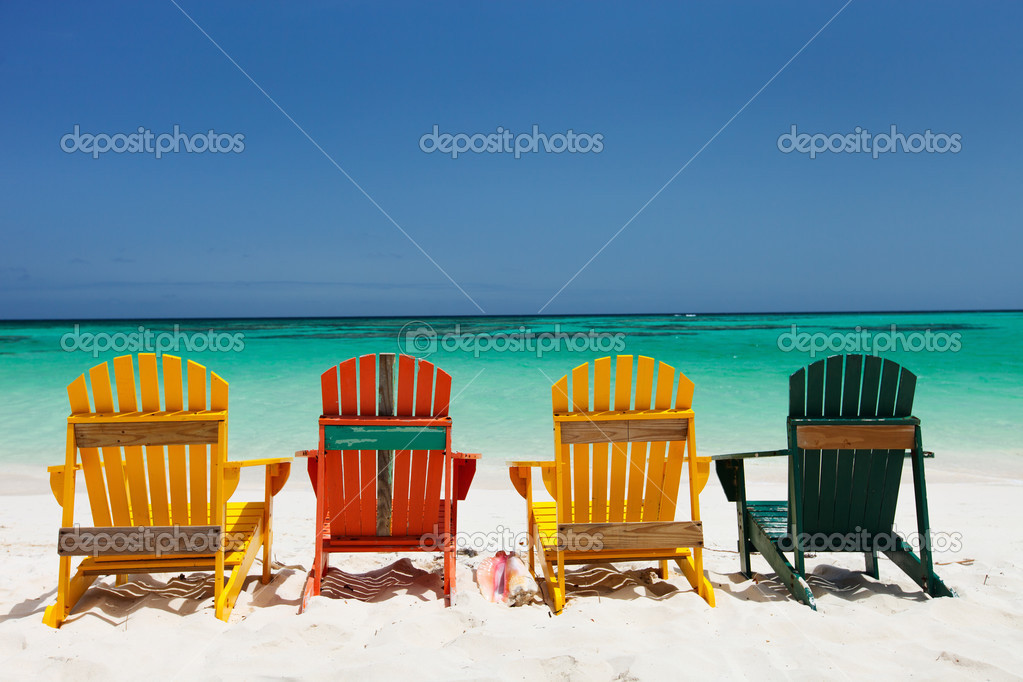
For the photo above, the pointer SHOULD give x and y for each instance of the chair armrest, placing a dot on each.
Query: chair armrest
(268, 461)
(532, 463)
(306, 453)
(522, 480)
(750, 455)
(59, 468)
(466, 455)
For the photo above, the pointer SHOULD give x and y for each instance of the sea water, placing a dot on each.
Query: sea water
(969, 393)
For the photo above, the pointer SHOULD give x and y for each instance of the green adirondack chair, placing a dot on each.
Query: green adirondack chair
(850, 428)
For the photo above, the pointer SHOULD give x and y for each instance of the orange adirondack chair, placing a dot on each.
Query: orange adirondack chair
(160, 474)
(385, 476)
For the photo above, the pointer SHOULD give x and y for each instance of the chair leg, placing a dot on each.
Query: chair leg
(665, 571)
(904, 557)
(120, 579)
(871, 561)
(57, 612)
(449, 575)
(791, 577)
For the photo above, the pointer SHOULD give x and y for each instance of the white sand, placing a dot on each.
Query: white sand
(619, 628)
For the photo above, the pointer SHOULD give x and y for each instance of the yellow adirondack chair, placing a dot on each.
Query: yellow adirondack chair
(616, 475)
(158, 481)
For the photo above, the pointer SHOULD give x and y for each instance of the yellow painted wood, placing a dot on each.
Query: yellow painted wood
(156, 459)
(672, 475)
(132, 482)
(618, 473)
(579, 509)
(198, 465)
(623, 382)
(78, 395)
(218, 392)
(654, 481)
(618, 462)
(172, 386)
(99, 377)
(581, 388)
(637, 477)
(599, 474)
(113, 469)
(599, 484)
(618, 415)
(96, 486)
(665, 386)
(684, 396)
(149, 382)
(559, 395)
(601, 384)
(124, 377)
(177, 466)
(644, 382)
(138, 488)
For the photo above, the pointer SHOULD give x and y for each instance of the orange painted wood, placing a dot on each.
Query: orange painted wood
(333, 486)
(434, 479)
(368, 385)
(417, 492)
(402, 477)
(424, 389)
(441, 394)
(405, 400)
(354, 480)
(329, 392)
(348, 393)
(350, 507)
(367, 492)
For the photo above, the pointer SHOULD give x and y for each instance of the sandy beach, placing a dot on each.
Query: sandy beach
(624, 624)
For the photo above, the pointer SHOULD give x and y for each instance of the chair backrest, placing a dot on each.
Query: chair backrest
(151, 459)
(398, 412)
(843, 490)
(622, 442)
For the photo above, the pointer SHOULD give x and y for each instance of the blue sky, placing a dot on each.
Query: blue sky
(278, 230)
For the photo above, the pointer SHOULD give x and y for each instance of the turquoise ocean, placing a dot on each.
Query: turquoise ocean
(969, 394)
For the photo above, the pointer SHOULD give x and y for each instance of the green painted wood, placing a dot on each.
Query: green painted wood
(855, 512)
(789, 576)
(875, 489)
(834, 371)
(797, 393)
(894, 460)
(843, 488)
(384, 437)
(811, 459)
(871, 385)
(851, 386)
(814, 390)
(889, 389)
(911, 564)
(841, 491)
(907, 388)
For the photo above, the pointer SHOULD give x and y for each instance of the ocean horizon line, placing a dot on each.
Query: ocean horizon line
(517, 315)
